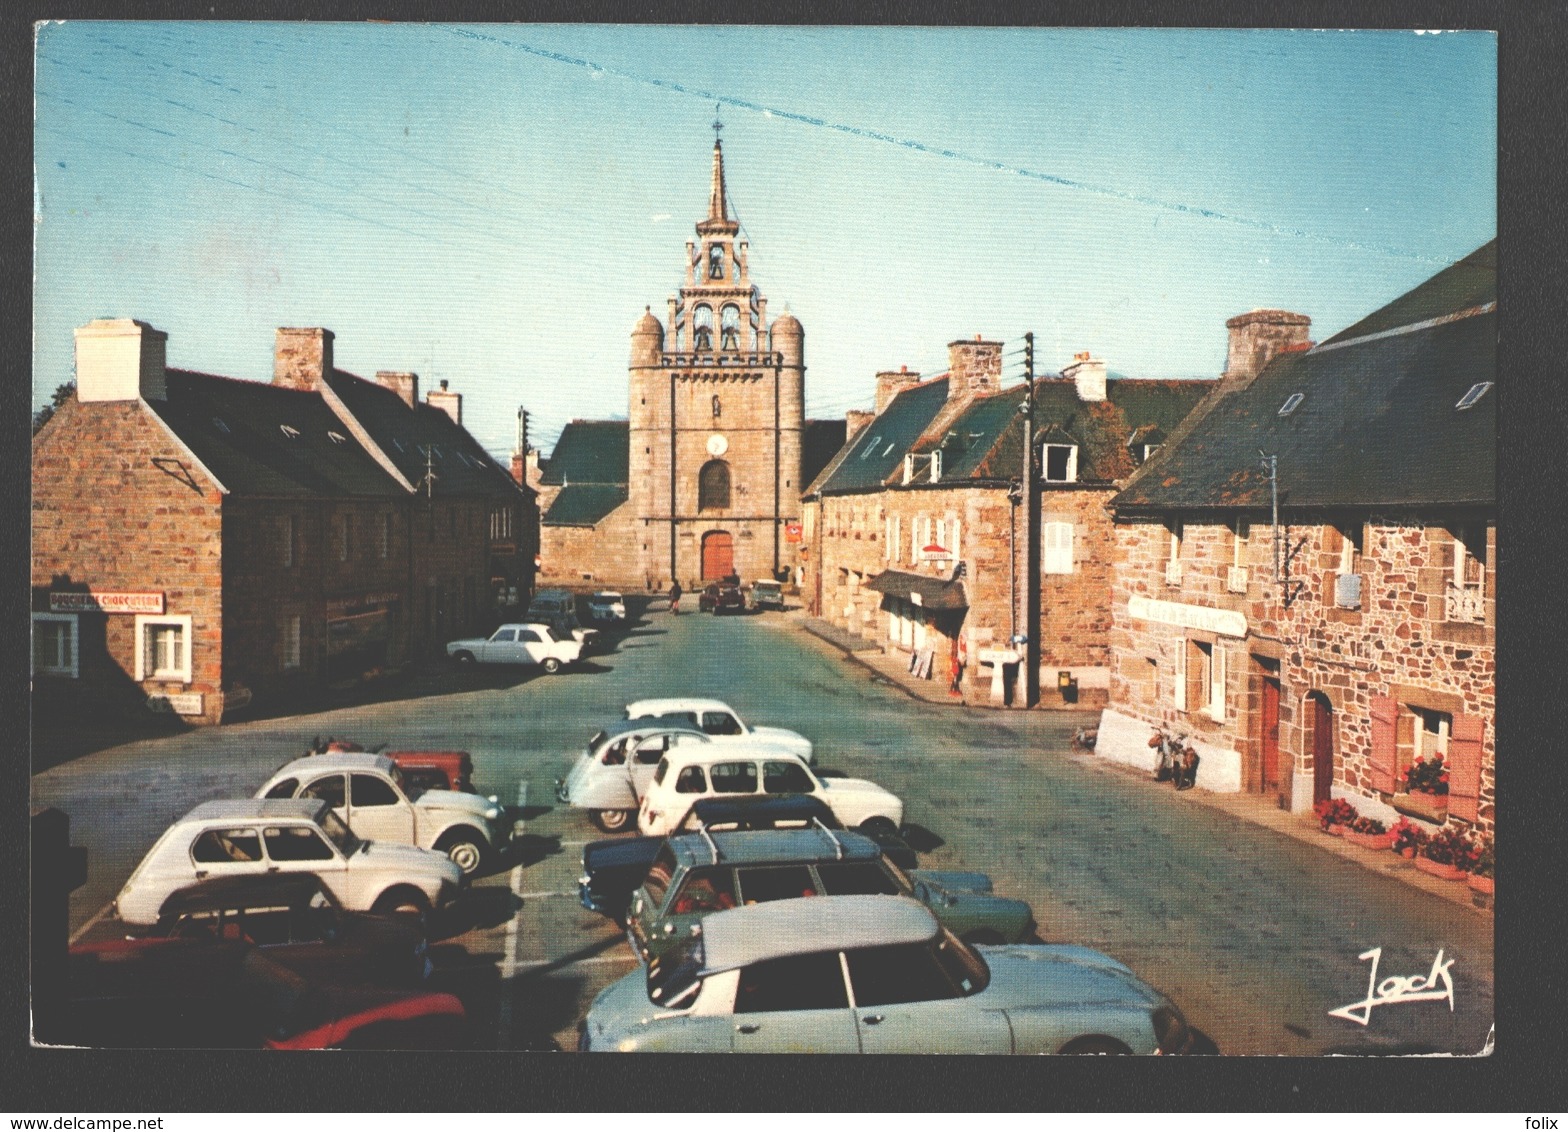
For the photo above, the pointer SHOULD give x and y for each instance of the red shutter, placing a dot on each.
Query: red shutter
(1385, 760)
(1464, 766)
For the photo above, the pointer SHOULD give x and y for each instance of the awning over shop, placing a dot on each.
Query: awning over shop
(920, 589)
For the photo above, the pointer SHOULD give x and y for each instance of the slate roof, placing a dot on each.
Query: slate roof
(879, 448)
(461, 467)
(236, 429)
(935, 593)
(985, 441)
(1377, 423)
(584, 504)
(819, 441)
(589, 452)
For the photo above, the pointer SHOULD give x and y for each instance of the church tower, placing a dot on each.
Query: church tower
(717, 400)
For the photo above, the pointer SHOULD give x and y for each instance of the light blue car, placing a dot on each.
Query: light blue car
(874, 974)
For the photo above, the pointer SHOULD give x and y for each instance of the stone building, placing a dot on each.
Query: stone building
(1318, 655)
(200, 540)
(704, 477)
(917, 537)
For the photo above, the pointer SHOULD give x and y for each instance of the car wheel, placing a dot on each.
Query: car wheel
(871, 827)
(985, 937)
(552, 665)
(464, 850)
(611, 821)
(1096, 1045)
(463, 659)
(402, 899)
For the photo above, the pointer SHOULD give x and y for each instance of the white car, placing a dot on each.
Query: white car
(367, 792)
(610, 776)
(255, 836)
(530, 644)
(726, 768)
(607, 605)
(717, 718)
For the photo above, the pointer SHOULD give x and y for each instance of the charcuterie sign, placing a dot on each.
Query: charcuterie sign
(104, 601)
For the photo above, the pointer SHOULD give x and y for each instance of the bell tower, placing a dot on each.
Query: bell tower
(716, 410)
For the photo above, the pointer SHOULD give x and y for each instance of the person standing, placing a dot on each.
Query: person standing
(675, 596)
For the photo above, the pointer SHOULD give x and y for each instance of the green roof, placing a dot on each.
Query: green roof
(1470, 283)
(589, 452)
(584, 504)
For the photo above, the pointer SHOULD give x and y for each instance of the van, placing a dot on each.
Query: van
(557, 608)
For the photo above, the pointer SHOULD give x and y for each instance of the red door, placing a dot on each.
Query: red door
(1270, 735)
(1322, 749)
(718, 555)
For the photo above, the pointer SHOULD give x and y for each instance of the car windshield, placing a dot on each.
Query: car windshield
(340, 834)
(673, 976)
(962, 963)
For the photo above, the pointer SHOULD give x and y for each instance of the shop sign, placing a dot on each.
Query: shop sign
(104, 601)
(791, 532)
(1228, 622)
(180, 703)
(343, 605)
(935, 553)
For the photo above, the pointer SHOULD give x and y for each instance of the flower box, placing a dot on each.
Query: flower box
(1334, 830)
(1442, 872)
(1423, 805)
(1487, 885)
(1379, 841)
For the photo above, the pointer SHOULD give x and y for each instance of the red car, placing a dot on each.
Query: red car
(219, 994)
(722, 597)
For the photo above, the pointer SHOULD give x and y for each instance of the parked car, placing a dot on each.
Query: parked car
(557, 608)
(422, 770)
(697, 873)
(607, 605)
(613, 869)
(611, 774)
(721, 597)
(530, 644)
(728, 768)
(256, 836)
(874, 974)
(184, 993)
(370, 794)
(715, 717)
(767, 594)
(295, 921)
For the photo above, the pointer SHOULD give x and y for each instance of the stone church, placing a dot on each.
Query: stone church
(704, 477)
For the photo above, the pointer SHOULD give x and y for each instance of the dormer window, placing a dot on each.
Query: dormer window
(1059, 463)
(1149, 450)
(1291, 404)
(909, 466)
(936, 468)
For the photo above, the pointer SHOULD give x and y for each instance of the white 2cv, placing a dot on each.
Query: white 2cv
(367, 791)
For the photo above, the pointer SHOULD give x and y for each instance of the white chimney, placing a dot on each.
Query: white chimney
(405, 385)
(1088, 374)
(448, 402)
(120, 359)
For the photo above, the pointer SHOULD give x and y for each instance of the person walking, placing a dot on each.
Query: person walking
(675, 597)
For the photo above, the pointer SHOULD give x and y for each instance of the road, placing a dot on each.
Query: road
(1256, 935)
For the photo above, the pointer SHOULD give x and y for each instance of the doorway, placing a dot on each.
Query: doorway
(1321, 714)
(1268, 735)
(718, 555)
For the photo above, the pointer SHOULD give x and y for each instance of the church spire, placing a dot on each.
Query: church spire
(716, 206)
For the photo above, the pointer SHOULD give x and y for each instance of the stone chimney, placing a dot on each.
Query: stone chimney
(974, 368)
(448, 402)
(1257, 337)
(1088, 374)
(301, 357)
(405, 385)
(855, 420)
(890, 383)
(120, 359)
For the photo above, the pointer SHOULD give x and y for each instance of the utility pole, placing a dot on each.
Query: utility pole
(1031, 501)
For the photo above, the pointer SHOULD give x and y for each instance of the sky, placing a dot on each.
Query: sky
(495, 205)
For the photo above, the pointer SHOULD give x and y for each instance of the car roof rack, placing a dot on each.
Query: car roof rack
(838, 846)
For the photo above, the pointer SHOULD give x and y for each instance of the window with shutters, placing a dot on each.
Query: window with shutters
(1056, 548)
(1466, 588)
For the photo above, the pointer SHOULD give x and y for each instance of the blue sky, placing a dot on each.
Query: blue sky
(496, 204)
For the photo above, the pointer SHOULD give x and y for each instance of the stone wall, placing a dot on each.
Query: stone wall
(1408, 639)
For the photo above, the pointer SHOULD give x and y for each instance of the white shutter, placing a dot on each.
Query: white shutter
(1058, 548)
(1179, 692)
(1217, 685)
(956, 548)
(914, 541)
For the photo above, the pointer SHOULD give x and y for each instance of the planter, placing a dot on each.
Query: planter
(1379, 841)
(1488, 885)
(1427, 807)
(1335, 830)
(1442, 872)
(1408, 852)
